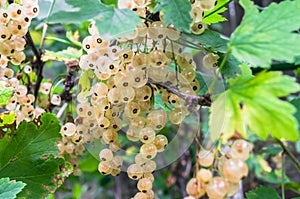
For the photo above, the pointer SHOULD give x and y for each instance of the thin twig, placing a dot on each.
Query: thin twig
(282, 175)
(192, 100)
(289, 154)
(212, 86)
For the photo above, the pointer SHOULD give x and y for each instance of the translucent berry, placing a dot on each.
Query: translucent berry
(106, 155)
(144, 185)
(205, 158)
(135, 171)
(68, 129)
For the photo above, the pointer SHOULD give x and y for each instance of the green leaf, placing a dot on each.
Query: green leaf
(80, 11)
(254, 103)
(264, 172)
(85, 81)
(210, 39)
(294, 186)
(10, 189)
(5, 94)
(231, 68)
(262, 192)
(204, 80)
(176, 12)
(298, 146)
(116, 22)
(111, 22)
(89, 164)
(297, 60)
(266, 36)
(27, 154)
(7, 119)
(213, 16)
(271, 150)
(69, 54)
(296, 103)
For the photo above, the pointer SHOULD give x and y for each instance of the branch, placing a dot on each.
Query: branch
(289, 153)
(192, 100)
(39, 64)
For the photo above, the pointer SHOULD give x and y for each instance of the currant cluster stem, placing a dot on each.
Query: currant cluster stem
(289, 154)
(212, 86)
(192, 100)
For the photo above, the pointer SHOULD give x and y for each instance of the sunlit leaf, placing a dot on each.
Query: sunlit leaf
(5, 94)
(216, 17)
(69, 54)
(7, 118)
(253, 103)
(267, 35)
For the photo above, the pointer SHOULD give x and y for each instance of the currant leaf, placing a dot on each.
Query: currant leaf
(176, 12)
(216, 17)
(67, 55)
(270, 29)
(116, 22)
(253, 103)
(5, 94)
(76, 11)
(110, 21)
(84, 81)
(27, 154)
(10, 189)
(262, 192)
(210, 39)
(296, 103)
(7, 118)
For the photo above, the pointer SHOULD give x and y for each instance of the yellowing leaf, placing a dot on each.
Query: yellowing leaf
(267, 35)
(84, 81)
(253, 103)
(69, 54)
(5, 94)
(7, 119)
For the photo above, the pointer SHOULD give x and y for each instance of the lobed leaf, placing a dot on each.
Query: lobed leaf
(253, 103)
(27, 154)
(10, 189)
(270, 29)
